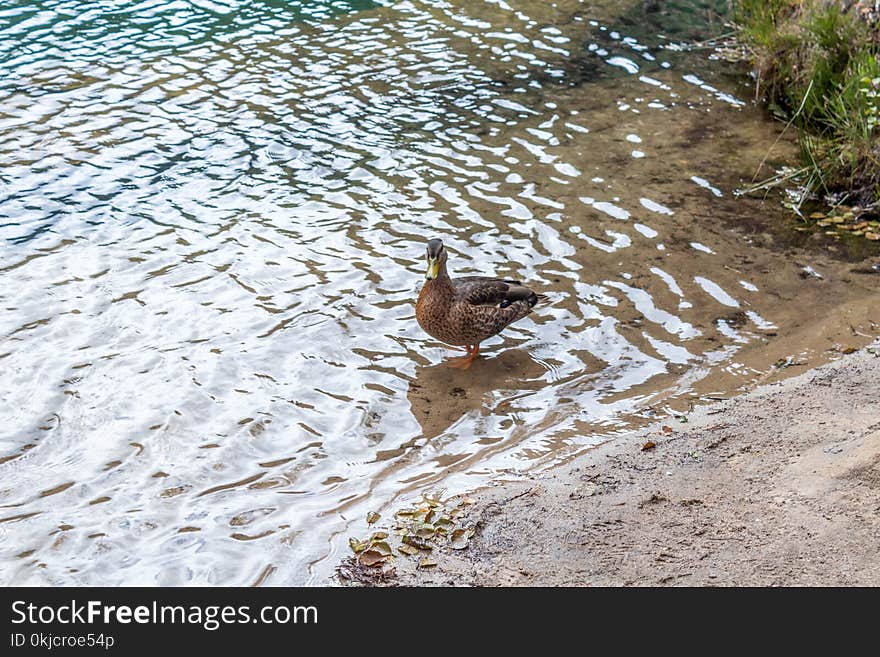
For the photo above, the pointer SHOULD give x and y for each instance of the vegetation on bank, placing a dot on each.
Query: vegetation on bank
(817, 67)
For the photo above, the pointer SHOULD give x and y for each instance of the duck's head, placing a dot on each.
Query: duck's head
(436, 259)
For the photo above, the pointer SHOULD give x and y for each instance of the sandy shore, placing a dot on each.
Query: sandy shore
(777, 487)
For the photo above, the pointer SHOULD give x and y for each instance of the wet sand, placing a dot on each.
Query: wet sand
(778, 487)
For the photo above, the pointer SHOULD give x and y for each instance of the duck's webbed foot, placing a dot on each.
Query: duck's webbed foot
(465, 362)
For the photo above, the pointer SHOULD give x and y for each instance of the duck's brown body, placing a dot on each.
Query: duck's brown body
(465, 311)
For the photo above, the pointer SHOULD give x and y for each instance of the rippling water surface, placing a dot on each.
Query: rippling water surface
(212, 227)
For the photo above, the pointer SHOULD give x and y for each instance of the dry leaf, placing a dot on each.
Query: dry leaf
(426, 532)
(417, 542)
(649, 445)
(372, 558)
(357, 545)
(372, 517)
(460, 538)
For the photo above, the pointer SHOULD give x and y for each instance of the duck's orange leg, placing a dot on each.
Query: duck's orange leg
(465, 362)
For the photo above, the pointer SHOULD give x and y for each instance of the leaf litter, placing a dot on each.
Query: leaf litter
(419, 530)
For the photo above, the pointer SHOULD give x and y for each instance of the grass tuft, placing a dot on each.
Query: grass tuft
(817, 66)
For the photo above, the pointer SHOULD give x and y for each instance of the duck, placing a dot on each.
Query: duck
(465, 311)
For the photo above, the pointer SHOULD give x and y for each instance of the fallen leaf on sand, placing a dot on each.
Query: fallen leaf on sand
(649, 445)
(427, 562)
(417, 542)
(426, 532)
(372, 517)
(358, 546)
(460, 538)
(666, 429)
(372, 558)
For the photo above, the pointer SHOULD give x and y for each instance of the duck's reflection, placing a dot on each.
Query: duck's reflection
(440, 395)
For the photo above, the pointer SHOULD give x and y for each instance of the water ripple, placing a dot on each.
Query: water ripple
(212, 224)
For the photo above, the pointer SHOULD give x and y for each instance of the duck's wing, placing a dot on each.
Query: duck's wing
(486, 291)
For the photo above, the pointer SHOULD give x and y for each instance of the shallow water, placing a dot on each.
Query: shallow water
(212, 227)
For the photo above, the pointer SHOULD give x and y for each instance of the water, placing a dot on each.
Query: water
(212, 227)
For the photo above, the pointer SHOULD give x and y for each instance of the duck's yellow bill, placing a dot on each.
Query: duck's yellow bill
(433, 269)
